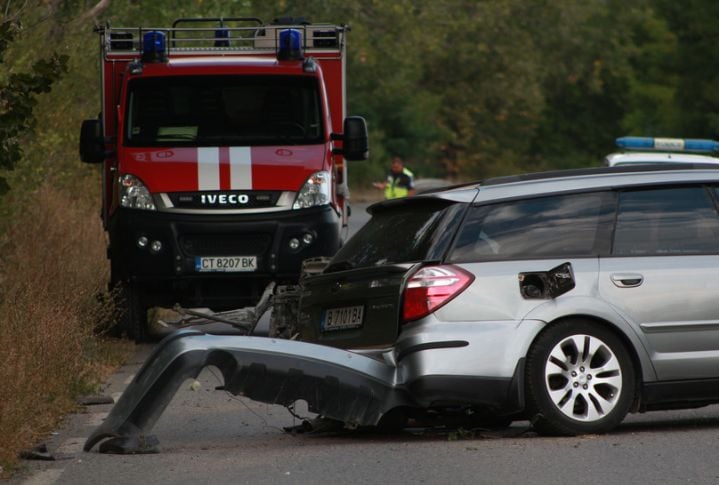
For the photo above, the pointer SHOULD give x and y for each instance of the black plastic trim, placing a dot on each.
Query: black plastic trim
(680, 394)
(442, 390)
(449, 344)
(171, 274)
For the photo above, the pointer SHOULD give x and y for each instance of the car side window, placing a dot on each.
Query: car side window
(668, 221)
(555, 226)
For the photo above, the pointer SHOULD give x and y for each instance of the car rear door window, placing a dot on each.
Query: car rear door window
(666, 221)
(556, 226)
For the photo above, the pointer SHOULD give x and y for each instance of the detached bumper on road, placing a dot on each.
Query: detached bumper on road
(335, 383)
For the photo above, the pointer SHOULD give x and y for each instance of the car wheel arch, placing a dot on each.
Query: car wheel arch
(548, 419)
(593, 310)
(637, 364)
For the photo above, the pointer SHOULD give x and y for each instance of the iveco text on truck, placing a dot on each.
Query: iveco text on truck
(223, 144)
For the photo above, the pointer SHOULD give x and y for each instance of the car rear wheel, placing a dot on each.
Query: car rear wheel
(580, 379)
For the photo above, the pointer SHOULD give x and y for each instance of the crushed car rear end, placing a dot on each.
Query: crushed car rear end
(390, 293)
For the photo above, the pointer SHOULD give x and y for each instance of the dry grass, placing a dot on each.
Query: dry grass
(53, 274)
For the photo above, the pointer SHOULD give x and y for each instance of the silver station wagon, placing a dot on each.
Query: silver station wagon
(570, 298)
(567, 298)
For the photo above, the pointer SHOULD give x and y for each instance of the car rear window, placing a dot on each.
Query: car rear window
(415, 230)
(556, 226)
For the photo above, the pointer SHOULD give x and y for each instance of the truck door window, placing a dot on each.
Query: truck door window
(223, 110)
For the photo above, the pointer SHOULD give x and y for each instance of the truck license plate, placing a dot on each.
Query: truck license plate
(343, 318)
(225, 264)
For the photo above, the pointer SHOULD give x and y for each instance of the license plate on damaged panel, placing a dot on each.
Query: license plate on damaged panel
(343, 318)
(225, 264)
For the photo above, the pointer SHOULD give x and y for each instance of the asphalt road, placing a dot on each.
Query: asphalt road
(213, 437)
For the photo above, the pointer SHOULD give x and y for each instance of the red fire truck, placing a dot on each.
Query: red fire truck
(223, 144)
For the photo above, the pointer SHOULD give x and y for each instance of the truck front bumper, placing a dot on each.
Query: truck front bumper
(171, 273)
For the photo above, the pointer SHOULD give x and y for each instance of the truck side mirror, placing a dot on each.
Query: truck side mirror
(92, 143)
(355, 143)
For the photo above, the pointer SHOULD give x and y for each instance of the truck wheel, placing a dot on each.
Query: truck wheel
(580, 379)
(132, 313)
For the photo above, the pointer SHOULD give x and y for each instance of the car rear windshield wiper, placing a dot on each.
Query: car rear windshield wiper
(339, 266)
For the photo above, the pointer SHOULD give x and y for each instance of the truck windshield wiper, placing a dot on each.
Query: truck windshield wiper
(176, 136)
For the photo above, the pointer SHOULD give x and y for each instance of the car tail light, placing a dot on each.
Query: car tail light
(432, 287)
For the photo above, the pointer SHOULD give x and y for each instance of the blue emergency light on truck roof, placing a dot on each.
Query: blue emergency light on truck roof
(222, 37)
(154, 46)
(290, 45)
(668, 144)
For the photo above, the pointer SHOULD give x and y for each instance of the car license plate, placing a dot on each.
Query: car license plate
(343, 318)
(225, 264)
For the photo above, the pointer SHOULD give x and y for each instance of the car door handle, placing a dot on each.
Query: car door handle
(627, 280)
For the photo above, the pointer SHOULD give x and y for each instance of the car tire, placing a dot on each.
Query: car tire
(579, 378)
(132, 313)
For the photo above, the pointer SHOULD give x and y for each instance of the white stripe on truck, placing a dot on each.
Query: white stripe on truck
(240, 168)
(208, 168)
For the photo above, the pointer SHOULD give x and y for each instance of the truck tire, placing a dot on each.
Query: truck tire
(132, 313)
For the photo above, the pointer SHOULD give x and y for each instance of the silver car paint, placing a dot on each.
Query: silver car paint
(551, 186)
(675, 308)
(494, 294)
(485, 355)
(500, 325)
(502, 322)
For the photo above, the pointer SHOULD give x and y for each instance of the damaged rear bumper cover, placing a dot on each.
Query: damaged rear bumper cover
(335, 383)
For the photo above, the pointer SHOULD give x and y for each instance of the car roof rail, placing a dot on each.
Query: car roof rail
(649, 167)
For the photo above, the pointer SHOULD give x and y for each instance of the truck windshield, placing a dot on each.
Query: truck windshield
(223, 110)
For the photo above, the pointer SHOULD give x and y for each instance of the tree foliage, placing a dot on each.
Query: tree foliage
(461, 88)
(18, 92)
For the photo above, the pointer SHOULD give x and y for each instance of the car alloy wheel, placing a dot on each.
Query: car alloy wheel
(580, 379)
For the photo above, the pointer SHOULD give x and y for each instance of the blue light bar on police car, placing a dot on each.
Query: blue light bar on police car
(668, 144)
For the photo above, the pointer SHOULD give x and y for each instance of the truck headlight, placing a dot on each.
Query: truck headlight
(134, 194)
(316, 191)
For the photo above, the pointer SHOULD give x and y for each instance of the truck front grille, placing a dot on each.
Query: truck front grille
(218, 245)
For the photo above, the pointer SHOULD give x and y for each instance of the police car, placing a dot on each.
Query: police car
(645, 150)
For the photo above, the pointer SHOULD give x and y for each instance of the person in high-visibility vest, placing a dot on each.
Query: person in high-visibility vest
(400, 181)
